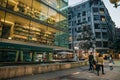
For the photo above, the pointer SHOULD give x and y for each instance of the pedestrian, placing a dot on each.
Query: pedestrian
(91, 59)
(111, 65)
(100, 64)
(94, 64)
(111, 59)
(111, 62)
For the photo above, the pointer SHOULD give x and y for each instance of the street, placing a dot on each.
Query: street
(80, 73)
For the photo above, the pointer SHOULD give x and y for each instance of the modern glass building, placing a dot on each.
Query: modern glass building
(30, 30)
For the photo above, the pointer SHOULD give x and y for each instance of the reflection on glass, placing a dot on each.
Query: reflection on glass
(1, 21)
(56, 4)
(7, 56)
(22, 29)
(37, 10)
(61, 39)
(3, 3)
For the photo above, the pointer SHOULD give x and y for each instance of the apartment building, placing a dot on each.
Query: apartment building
(94, 15)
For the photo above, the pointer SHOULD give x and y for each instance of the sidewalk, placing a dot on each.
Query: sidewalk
(80, 73)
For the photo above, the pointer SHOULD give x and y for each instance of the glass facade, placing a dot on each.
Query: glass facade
(35, 26)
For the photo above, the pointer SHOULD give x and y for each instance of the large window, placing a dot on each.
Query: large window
(69, 17)
(57, 4)
(104, 26)
(105, 44)
(98, 35)
(69, 23)
(27, 25)
(84, 13)
(95, 10)
(96, 2)
(79, 29)
(98, 44)
(104, 35)
(37, 10)
(89, 19)
(69, 30)
(79, 21)
(102, 18)
(84, 19)
(35, 22)
(97, 26)
(83, 5)
(7, 56)
(102, 10)
(79, 15)
(96, 17)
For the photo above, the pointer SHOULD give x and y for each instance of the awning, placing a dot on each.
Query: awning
(64, 53)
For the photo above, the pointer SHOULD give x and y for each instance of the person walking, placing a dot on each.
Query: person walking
(100, 64)
(91, 59)
(111, 65)
(111, 59)
(111, 62)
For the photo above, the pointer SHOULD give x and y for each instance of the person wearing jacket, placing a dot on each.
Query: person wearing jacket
(100, 64)
(91, 59)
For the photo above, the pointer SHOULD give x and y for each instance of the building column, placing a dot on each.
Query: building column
(31, 56)
(34, 56)
(21, 56)
(16, 56)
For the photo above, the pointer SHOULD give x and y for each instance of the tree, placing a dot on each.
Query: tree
(117, 45)
(86, 38)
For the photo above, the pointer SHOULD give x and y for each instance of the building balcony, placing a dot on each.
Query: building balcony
(97, 30)
(104, 30)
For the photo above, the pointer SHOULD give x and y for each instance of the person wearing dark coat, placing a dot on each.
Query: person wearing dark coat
(91, 59)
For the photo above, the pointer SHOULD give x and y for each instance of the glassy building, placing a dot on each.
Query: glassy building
(93, 14)
(32, 29)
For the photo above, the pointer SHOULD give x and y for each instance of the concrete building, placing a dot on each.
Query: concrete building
(117, 42)
(32, 28)
(93, 14)
(117, 33)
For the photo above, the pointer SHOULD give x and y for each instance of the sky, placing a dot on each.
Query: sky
(114, 12)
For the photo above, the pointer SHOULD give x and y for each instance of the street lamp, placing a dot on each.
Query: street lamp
(115, 2)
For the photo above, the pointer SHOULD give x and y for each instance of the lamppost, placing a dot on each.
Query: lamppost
(115, 2)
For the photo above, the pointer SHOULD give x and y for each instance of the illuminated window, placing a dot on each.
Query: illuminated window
(102, 18)
(102, 10)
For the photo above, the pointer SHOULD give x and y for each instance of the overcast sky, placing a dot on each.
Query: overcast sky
(114, 12)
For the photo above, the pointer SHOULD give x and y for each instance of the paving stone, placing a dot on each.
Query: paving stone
(80, 73)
